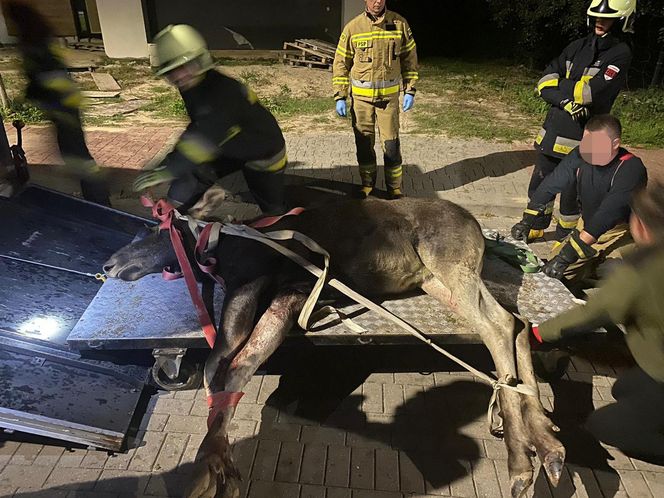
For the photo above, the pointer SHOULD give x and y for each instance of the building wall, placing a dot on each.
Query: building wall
(351, 8)
(266, 24)
(93, 16)
(58, 13)
(4, 34)
(123, 28)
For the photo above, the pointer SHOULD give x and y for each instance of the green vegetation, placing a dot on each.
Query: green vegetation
(496, 100)
(642, 116)
(24, 111)
(488, 100)
(284, 105)
(167, 104)
(225, 61)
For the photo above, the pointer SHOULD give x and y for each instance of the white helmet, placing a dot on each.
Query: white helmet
(180, 44)
(614, 9)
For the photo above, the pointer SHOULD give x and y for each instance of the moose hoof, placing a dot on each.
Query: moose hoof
(553, 466)
(520, 484)
(189, 377)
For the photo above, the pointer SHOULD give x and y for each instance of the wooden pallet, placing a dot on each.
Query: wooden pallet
(310, 53)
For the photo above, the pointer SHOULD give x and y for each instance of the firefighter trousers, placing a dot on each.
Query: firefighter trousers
(75, 154)
(570, 211)
(266, 187)
(365, 115)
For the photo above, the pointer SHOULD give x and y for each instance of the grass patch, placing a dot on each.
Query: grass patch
(168, 104)
(129, 72)
(284, 105)
(23, 110)
(642, 115)
(254, 79)
(225, 61)
(465, 122)
(487, 100)
(496, 101)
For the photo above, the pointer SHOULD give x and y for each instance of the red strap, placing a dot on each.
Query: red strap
(271, 220)
(536, 333)
(164, 212)
(626, 156)
(218, 402)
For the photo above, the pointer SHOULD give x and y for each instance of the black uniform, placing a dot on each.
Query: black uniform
(590, 71)
(53, 91)
(229, 130)
(603, 192)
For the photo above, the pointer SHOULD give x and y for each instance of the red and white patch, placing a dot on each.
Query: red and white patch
(611, 72)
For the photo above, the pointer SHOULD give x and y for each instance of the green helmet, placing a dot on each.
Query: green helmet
(180, 44)
(615, 9)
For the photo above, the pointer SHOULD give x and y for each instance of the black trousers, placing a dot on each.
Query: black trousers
(569, 202)
(71, 142)
(266, 187)
(635, 422)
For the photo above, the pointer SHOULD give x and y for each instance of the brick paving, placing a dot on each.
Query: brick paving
(325, 430)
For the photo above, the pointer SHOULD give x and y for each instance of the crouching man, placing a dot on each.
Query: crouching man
(632, 296)
(606, 176)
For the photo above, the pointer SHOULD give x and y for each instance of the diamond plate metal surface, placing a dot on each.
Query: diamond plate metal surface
(154, 313)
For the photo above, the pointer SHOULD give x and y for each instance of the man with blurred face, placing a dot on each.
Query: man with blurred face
(582, 82)
(376, 55)
(604, 176)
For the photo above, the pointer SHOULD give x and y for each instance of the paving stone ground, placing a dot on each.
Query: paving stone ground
(334, 426)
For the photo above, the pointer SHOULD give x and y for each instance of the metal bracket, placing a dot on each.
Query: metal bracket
(169, 360)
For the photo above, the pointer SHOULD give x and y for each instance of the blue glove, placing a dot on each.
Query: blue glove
(341, 108)
(408, 102)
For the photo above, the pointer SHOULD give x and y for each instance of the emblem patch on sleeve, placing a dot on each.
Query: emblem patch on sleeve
(611, 72)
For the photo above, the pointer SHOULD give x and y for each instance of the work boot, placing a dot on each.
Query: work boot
(535, 234)
(394, 194)
(363, 192)
(368, 175)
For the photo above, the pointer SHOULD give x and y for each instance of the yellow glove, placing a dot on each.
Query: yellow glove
(152, 177)
(577, 111)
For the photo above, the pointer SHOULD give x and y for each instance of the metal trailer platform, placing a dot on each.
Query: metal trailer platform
(126, 315)
(46, 388)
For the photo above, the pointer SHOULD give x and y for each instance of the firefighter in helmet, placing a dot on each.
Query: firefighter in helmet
(582, 82)
(375, 56)
(52, 89)
(229, 129)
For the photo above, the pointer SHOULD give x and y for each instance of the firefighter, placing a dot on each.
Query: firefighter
(229, 129)
(606, 176)
(375, 56)
(582, 82)
(51, 88)
(631, 296)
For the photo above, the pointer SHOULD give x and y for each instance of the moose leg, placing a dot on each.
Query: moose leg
(541, 429)
(467, 296)
(236, 324)
(214, 471)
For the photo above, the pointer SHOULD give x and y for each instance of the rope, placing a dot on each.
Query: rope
(98, 276)
(269, 239)
(308, 317)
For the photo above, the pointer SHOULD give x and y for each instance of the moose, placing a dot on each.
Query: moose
(377, 248)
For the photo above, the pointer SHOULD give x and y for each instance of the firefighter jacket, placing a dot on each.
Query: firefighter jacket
(227, 121)
(373, 57)
(590, 71)
(49, 83)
